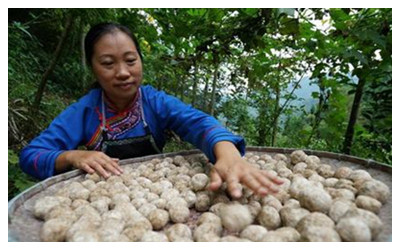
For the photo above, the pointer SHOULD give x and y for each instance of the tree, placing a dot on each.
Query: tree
(56, 56)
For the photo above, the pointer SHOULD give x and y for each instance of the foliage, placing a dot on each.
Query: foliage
(238, 118)
(17, 180)
(174, 145)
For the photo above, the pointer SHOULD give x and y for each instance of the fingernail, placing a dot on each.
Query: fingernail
(262, 191)
(275, 190)
(237, 194)
(213, 186)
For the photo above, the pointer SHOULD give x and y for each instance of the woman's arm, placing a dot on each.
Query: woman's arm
(222, 148)
(64, 133)
(192, 125)
(53, 151)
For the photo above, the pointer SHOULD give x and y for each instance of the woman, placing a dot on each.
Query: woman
(123, 119)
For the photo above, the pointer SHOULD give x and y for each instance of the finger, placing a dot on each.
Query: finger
(215, 180)
(111, 168)
(99, 169)
(117, 166)
(254, 184)
(233, 184)
(116, 161)
(109, 165)
(272, 177)
(266, 183)
(86, 168)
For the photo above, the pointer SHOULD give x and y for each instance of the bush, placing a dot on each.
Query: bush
(18, 181)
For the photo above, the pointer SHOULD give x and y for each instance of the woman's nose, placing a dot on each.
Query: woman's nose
(122, 71)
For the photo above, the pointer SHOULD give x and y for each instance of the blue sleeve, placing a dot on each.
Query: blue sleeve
(64, 133)
(192, 125)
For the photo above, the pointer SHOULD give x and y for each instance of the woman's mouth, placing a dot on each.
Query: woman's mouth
(125, 86)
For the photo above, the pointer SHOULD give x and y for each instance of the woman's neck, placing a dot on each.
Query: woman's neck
(119, 104)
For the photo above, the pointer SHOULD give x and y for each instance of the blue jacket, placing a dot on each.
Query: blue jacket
(79, 124)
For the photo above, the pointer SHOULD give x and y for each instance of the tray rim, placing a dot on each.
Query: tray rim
(18, 200)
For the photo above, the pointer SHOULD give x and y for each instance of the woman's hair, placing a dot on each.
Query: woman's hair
(101, 29)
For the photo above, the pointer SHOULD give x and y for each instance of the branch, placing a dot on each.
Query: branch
(287, 100)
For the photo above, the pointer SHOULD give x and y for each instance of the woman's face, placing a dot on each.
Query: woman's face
(117, 66)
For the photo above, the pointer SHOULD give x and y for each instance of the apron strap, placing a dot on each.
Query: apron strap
(103, 113)
(103, 120)
(141, 109)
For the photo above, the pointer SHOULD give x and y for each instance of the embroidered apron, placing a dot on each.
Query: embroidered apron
(128, 147)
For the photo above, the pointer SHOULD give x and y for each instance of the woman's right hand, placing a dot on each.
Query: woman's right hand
(89, 161)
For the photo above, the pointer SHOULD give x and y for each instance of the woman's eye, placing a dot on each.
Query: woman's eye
(131, 61)
(107, 63)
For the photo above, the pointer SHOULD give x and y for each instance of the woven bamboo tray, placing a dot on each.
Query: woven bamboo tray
(23, 226)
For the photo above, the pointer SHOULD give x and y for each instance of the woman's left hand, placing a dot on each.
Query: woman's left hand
(234, 169)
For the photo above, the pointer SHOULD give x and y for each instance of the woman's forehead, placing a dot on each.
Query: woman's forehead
(115, 42)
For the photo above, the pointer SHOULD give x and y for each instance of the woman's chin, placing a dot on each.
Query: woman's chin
(117, 93)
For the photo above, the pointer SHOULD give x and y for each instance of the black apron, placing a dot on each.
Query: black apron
(128, 147)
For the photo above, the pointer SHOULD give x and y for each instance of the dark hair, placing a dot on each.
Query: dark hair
(101, 29)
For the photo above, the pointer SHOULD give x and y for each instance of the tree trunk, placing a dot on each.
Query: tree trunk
(214, 87)
(276, 114)
(317, 118)
(249, 83)
(181, 88)
(205, 94)
(194, 84)
(83, 33)
(176, 84)
(276, 108)
(348, 139)
(57, 52)
(159, 81)
(262, 126)
(282, 108)
(83, 58)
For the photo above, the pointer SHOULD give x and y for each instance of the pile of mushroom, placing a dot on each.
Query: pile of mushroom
(168, 200)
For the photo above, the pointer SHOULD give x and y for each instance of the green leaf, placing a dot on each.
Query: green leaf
(196, 12)
(23, 184)
(12, 157)
(289, 26)
(317, 71)
(23, 28)
(251, 11)
(351, 91)
(372, 36)
(311, 45)
(306, 31)
(315, 94)
(354, 54)
(340, 18)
